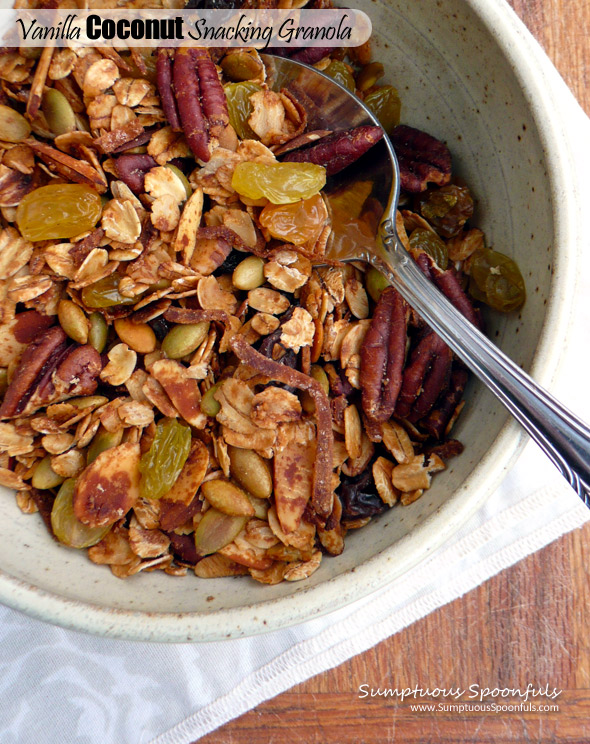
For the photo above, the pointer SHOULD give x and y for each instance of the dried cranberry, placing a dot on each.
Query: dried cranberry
(359, 497)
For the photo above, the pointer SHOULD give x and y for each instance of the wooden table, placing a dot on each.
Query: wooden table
(528, 624)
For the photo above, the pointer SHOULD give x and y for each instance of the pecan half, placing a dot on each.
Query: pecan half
(164, 83)
(436, 421)
(38, 358)
(213, 100)
(430, 361)
(188, 98)
(382, 356)
(422, 159)
(73, 372)
(338, 150)
(448, 283)
(20, 331)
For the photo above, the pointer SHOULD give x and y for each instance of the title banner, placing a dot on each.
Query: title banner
(173, 28)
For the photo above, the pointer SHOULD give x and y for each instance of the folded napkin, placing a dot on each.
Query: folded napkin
(60, 686)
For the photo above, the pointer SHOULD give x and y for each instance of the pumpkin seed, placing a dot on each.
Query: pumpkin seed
(59, 114)
(138, 336)
(249, 273)
(317, 373)
(66, 526)
(180, 175)
(13, 126)
(251, 472)
(216, 530)
(183, 339)
(73, 321)
(103, 440)
(98, 333)
(44, 477)
(227, 498)
(375, 283)
(209, 405)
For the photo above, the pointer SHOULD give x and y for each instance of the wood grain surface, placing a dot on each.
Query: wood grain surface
(528, 624)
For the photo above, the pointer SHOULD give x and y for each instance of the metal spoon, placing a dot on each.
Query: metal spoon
(563, 437)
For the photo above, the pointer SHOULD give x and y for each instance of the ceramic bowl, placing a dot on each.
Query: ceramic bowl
(468, 74)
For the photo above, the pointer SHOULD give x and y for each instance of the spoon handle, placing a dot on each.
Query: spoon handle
(563, 437)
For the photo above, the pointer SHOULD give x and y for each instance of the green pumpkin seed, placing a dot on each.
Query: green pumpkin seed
(66, 526)
(103, 440)
(250, 471)
(184, 339)
(59, 114)
(249, 274)
(209, 405)
(181, 177)
(73, 320)
(216, 530)
(98, 333)
(375, 283)
(13, 126)
(44, 477)
(227, 498)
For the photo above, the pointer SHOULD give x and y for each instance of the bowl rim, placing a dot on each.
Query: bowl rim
(534, 71)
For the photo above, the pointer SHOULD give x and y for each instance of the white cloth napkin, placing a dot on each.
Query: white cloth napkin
(59, 687)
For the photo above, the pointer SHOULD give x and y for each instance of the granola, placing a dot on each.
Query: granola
(183, 388)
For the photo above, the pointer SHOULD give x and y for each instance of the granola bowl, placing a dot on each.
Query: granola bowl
(469, 75)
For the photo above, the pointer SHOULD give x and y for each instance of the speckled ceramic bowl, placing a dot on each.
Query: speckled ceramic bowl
(470, 75)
